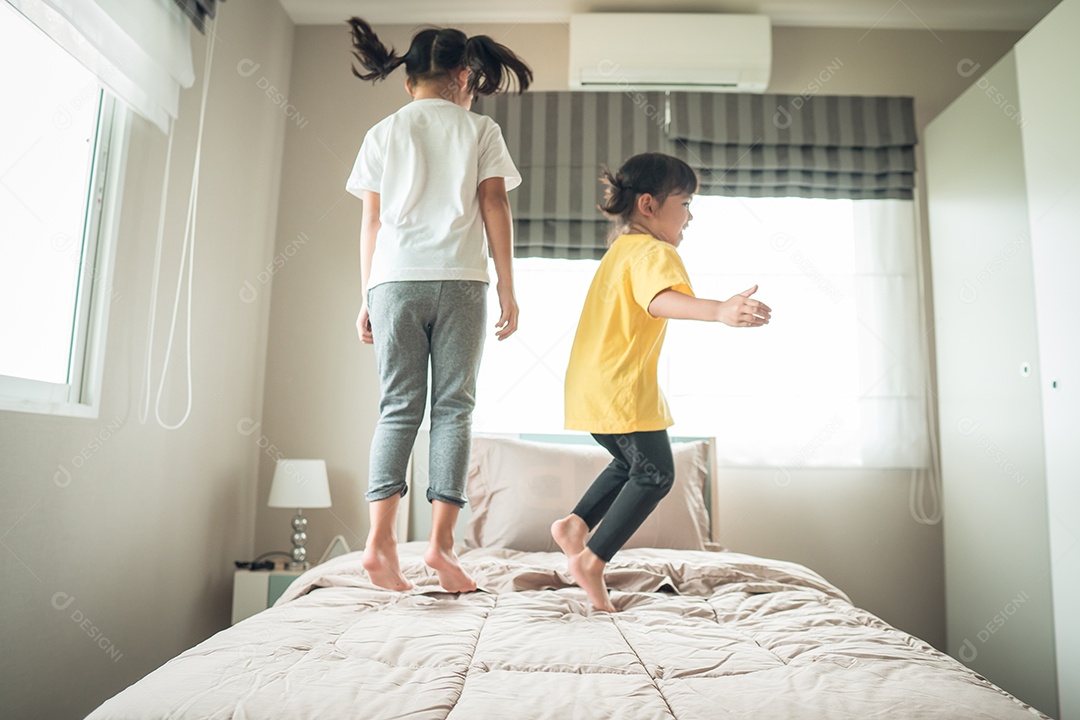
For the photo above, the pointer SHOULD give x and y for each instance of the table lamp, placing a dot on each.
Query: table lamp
(300, 484)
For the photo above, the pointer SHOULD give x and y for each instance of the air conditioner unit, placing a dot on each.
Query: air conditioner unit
(669, 51)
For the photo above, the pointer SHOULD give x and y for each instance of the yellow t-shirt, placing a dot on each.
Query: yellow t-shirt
(611, 384)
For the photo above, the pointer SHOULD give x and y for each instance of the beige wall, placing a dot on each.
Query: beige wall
(321, 391)
(143, 538)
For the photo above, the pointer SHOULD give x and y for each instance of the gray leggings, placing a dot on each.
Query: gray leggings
(411, 322)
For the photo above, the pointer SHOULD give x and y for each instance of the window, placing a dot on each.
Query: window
(55, 223)
(520, 386)
(836, 379)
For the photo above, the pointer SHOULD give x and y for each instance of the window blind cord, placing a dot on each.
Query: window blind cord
(187, 253)
(144, 411)
(924, 500)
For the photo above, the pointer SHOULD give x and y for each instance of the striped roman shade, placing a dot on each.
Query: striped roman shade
(558, 141)
(740, 145)
(793, 146)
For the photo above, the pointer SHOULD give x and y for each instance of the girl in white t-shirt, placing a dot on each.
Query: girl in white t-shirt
(433, 177)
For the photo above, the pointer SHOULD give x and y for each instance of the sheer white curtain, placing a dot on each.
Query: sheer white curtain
(835, 380)
(140, 51)
(894, 388)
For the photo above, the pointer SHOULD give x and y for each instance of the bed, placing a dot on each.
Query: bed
(700, 633)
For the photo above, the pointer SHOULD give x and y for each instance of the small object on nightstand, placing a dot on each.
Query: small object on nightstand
(300, 484)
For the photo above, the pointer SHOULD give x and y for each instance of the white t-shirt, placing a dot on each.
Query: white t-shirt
(426, 162)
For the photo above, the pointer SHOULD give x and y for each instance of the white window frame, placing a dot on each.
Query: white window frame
(81, 397)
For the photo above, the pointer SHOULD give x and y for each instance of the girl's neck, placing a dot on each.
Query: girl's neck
(431, 91)
(636, 227)
(442, 91)
(639, 227)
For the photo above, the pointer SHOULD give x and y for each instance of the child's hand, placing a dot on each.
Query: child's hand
(743, 311)
(508, 320)
(363, 325)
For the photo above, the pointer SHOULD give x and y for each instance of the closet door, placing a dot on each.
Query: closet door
(997, 561)
(1051, 108)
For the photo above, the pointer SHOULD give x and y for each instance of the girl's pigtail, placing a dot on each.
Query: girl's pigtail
(492, 65)
(619, 197)
(370, 51)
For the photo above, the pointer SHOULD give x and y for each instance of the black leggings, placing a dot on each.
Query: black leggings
(628, 489)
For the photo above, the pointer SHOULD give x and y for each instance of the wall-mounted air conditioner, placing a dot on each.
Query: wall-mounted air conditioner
(669, 51)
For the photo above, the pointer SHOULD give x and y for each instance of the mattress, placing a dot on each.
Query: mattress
(698, 635)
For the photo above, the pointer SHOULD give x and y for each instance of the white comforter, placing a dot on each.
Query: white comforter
(698, 635)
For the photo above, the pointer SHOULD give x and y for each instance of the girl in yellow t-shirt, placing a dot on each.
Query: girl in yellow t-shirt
(611, 387)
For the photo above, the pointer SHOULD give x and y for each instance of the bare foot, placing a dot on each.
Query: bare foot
(588, 572)
(381, 563)
(570, 533)
(445, 564)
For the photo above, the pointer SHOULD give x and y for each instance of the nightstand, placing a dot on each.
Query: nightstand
(256, 590)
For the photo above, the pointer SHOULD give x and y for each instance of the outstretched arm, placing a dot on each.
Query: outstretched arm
(738, 311)
(495, 211)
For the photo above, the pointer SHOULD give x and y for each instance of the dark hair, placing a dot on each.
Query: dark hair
(435, 52)
(654, 173)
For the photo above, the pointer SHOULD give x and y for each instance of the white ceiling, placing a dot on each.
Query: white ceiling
(915, 14)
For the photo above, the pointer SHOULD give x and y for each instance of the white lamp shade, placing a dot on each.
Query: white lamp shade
(300, 484)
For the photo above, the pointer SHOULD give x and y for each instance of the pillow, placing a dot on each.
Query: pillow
(517, 488)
